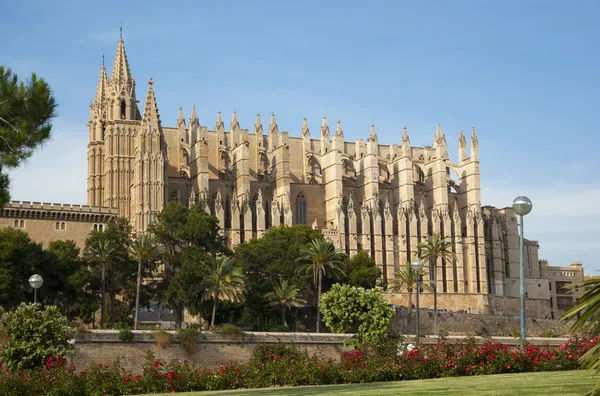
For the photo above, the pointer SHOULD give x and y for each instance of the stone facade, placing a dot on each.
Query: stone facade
(384, 199)
(46, 222)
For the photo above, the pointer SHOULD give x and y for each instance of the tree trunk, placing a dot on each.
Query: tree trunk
(113, 313)
(214, 313)
(319, 303)
(434, 295)
(283, 316)
(137, 293)
(410, 302)
(103, 302)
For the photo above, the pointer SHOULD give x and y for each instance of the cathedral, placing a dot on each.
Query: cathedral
(383, 199)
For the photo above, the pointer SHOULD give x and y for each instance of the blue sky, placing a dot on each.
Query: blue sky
(525, 73)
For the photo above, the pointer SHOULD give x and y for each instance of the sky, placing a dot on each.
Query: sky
(524, 73)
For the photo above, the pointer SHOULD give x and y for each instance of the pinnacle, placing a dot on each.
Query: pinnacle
(338, 130)
(373, 134)
(101, 87)
(121, 74)
(150, 108)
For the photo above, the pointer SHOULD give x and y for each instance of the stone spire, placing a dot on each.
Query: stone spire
(180, 118)
(235, 125)
(121, 74)
(474, 146)
(338, 131)
(150, 108)
(474, 140)
(305, 130)
(101, 87)
(194, 117)
(324, 127)
(462, 147)
(219, 124)
(258, 128)
(373, 134)
(273, 125)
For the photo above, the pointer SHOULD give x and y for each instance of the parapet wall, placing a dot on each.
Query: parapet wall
(103, 346)
(61, 207)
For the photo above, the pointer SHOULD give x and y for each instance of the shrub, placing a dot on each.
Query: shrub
(35, 335)
(161, 338)
(231, 331)
(349, 309)
(284, 365)
(189, 339)
(125, 335)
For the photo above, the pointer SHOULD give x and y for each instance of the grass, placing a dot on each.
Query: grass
(563, 383)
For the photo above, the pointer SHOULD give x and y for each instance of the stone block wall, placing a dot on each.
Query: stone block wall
(104, 346)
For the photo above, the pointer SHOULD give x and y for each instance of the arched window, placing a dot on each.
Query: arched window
(101, 227)
(253, 212)
(123, 109)
(95, 227)
(57, 225)
(22, 224)
(301, 208)
(63, 226)
(174, 196)
(227, 212)
(16, 224)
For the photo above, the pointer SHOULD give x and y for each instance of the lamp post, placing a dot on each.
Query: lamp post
(36, 281)
(417, 265)
(522, 206)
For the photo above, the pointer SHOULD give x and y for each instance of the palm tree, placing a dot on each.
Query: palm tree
(432, 249)
(586, 310)
(224, 278)
(103, 252)
(320, 255)
(142, 248)
(285, 295)
(407, 279)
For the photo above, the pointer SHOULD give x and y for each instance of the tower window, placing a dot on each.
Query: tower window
(301, 208)
(123, 109)
(63, 226)
(57, 226)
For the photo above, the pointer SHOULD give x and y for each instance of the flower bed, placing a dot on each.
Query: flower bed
(277, 365)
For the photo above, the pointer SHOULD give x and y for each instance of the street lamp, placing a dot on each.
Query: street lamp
(417, 265)
(36, 281)
(522, 206)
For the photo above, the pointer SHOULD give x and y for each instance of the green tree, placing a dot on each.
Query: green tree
(407, 279)
(35, 335)
(320, 256)
(586, 315)
(104, 253)
(285, 296)
(68, 281)
(19, 259)
(360, 270)
(26, 111)
(186, 236)
(121, 278)
(142, 248)
(224, 279)
(434, 248)
(269, 260)
(351, 309)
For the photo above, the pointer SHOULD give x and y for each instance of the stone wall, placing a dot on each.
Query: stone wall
(470, 324)
(104, 346)
(476, 303)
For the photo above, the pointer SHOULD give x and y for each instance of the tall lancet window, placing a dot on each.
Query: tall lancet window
(301, 208)
(228, 212)
(123, 109)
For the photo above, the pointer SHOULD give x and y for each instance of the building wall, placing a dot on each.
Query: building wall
(45, 222)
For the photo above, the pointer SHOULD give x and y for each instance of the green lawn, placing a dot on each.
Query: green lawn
(563, 383)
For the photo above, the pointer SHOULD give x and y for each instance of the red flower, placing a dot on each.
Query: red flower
(171, 389)
(535, 361)
(570, 357)
(157, 364)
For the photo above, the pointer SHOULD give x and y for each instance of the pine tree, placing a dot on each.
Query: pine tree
(26, 111)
